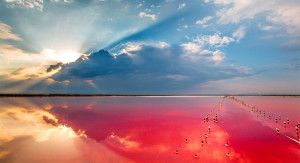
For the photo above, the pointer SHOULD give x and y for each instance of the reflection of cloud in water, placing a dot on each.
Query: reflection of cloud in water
(138, 129)
(18, 121)
(34, 134)
(57, 149)
(120, 142)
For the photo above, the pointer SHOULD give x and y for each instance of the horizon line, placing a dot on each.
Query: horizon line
(131, 95)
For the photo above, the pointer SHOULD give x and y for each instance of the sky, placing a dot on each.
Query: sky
(150, 46)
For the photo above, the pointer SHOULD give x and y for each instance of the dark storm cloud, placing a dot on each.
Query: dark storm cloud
(98, 64)
(150, 70)
(54, 67)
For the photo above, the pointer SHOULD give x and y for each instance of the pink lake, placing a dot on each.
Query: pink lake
(150, 129)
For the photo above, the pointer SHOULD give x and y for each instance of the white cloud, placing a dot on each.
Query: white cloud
(64, 56)
(15, 58)
(47, 56)
(6, 49)
(143, 14)
(185, 26)
(196, 51)
(239, 33)
(139, 5)
(288, 15)
(130, 47)
(206, 46)
(178, 77)
(181, 6)
(32, 64)
(162, 44)
(66, 0)
(5, 32)
(218, 55)
(38, 4)
(204, 20)
(267, 28)
(277, 12)
(192, 47)
(216, 40)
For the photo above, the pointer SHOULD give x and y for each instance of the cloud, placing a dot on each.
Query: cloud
(139, 5)
(146, 70)
(196, 52)
(99, 63)
(206, 46)
(7, 49)
(181, 6)
(276, 11)
(267, 28)
(66, 1)
(218, 55)
(18, 71)
(204, 20)
(64, 56)
(136, 46)
(295, 63)
(177, 77)
(215, 40)
(54, 67)
(239, 33)
(235, 10)
(5, 33)
(291, 46)
(185, 26)
(192, 47)
(29, 65)
(131, 47)
(38, 4)
(143, 14)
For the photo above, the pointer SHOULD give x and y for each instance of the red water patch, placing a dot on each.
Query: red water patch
(173, 129)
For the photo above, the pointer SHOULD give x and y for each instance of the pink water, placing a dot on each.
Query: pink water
(149, 129)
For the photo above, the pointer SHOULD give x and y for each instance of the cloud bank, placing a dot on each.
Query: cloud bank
(5, 32)
(277, 12)
(146, 69)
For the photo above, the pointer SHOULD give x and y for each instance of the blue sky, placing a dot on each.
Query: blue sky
(150, 47)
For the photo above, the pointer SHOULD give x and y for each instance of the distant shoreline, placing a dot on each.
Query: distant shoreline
(120, 95)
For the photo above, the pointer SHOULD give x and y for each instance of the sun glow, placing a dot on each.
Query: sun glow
(64, 56)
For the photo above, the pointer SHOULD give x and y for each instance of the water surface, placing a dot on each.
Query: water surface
(149, 129)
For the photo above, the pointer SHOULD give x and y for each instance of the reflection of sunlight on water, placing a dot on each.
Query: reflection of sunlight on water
(35, 135)
(268, 116)
(19, 122)
(68, 131)
(121, 142)
(133, 130)
(4, 153)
